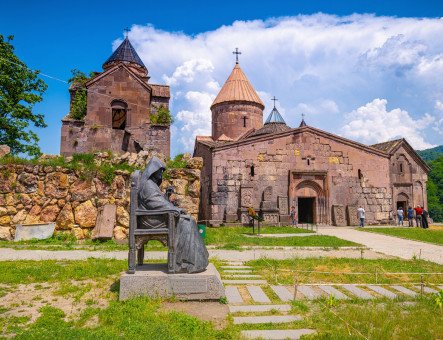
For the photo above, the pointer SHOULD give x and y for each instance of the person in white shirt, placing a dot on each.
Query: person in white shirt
(361, 216)
(400, 216)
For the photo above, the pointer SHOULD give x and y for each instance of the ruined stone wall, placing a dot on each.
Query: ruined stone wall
(35, 193)
(353, 175)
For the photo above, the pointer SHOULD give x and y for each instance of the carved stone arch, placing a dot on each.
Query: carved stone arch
(119, 109)
(308, 188)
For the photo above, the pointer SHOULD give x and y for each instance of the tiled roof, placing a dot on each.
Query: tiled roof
(270, 128)
(302, 123)
(275, 117)
(237, 88)
(388, 146)
(125, 52)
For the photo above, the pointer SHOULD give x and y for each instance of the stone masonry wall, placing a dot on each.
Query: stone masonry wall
(36, 193)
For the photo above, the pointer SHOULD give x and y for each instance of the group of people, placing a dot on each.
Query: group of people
(421, 217)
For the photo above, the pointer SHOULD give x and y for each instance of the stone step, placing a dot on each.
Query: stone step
(265, 319)
(233, 295)
(308, 292)
(361, 294)
(277, 334)
(426, 290)
(245, 282)
(257, 294)
(236, 267)
(382, 291)
(259, 308)
(283, 293)
(237, 271)
(283, 235)
(334, 292)
(234, 263)
(404, 290)
(240, 276)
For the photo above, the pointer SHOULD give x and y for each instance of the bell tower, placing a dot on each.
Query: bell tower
(237, 107)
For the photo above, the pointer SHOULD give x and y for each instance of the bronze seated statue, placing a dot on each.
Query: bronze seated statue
(154, 217)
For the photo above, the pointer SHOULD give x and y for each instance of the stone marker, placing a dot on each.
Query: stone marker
(283, 293)
(258, 308)
(427, 290)
(104, 226)
(361, 294)
(382, 291)
(233, 295)
(257, 294)
(39, 231)
(308, 292)
(404, 290)
(245, 282)
(153, 280)
(277, 334)
(265, 319)
(334, 292)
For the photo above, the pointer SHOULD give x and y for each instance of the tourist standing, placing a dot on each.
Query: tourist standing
(293, 215)
(424, 219)
(418, 216)
(400, 216)
(410, 216)
(361, 216)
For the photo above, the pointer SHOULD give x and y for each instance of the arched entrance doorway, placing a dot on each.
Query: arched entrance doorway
(311, 203)
(402, 201)
(119, 111)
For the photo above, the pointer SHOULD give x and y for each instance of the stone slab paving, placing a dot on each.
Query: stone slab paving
(361, 294)
(404, 290)
(265, 319)
(236, 267)
(389, 245)
(242, 276)
(282, 235)
(245, 282)
(259, 308)
(308, 292)
(382, 291)
(283, 293)
(238, 271)
(233, 295)
(278, 334)
(440, 287)
(426, 290)
(333, 291)
(257, 294)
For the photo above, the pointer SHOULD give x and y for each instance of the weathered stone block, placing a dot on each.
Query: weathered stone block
(338, 215)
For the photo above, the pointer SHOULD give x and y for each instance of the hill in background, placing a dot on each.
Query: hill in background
(431, 154)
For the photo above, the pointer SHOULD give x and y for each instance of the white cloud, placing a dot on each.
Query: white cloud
(324, 65)
(373, 123)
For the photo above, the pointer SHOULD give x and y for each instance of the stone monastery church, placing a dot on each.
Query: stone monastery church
(272, 167)
(269, 167)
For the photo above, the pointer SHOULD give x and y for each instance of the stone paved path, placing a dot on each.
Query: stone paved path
(388, 245)
(278, 334)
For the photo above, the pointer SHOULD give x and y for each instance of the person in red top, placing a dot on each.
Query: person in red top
(419, 216)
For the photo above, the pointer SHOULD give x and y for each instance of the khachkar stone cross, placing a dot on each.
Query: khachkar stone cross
(236, 52)
(274, 99)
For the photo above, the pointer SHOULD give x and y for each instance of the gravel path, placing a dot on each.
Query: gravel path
(389, 245)
(7, 254)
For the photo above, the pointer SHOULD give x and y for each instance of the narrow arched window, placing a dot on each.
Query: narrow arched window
(401, 167)
(252, 171)
(119, 112)
(360, 175)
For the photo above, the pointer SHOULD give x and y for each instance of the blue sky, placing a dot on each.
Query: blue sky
(389, 77)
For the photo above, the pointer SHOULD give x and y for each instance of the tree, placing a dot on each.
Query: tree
(79, 102)
(435, 189)
(20, 90)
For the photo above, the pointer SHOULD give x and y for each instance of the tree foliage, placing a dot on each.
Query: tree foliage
(162, 116)
(79, 102)
(20, 90)
(435, 189)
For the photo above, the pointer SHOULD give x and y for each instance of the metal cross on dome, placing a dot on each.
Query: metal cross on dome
(126, 31)
(236, 52)
(274, 99)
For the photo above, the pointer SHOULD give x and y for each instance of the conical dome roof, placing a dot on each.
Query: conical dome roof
(237, 88)
(125, 52)
(275, 117)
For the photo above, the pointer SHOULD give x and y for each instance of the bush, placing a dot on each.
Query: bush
(162, 116)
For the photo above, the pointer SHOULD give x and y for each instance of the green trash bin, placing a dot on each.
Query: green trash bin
(202, 230)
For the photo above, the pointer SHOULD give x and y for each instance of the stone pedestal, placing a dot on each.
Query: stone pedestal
(153, 280)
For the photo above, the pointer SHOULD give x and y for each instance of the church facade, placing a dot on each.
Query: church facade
(120, 101)
(271, 167)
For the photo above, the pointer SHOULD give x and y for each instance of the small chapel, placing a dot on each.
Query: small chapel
(271, 167)
(120, 103)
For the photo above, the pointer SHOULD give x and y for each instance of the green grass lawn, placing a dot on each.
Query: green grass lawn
(418, 234)
(234, 238)
(342, 270)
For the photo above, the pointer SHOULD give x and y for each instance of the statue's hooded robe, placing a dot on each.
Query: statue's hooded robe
(191, 254)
